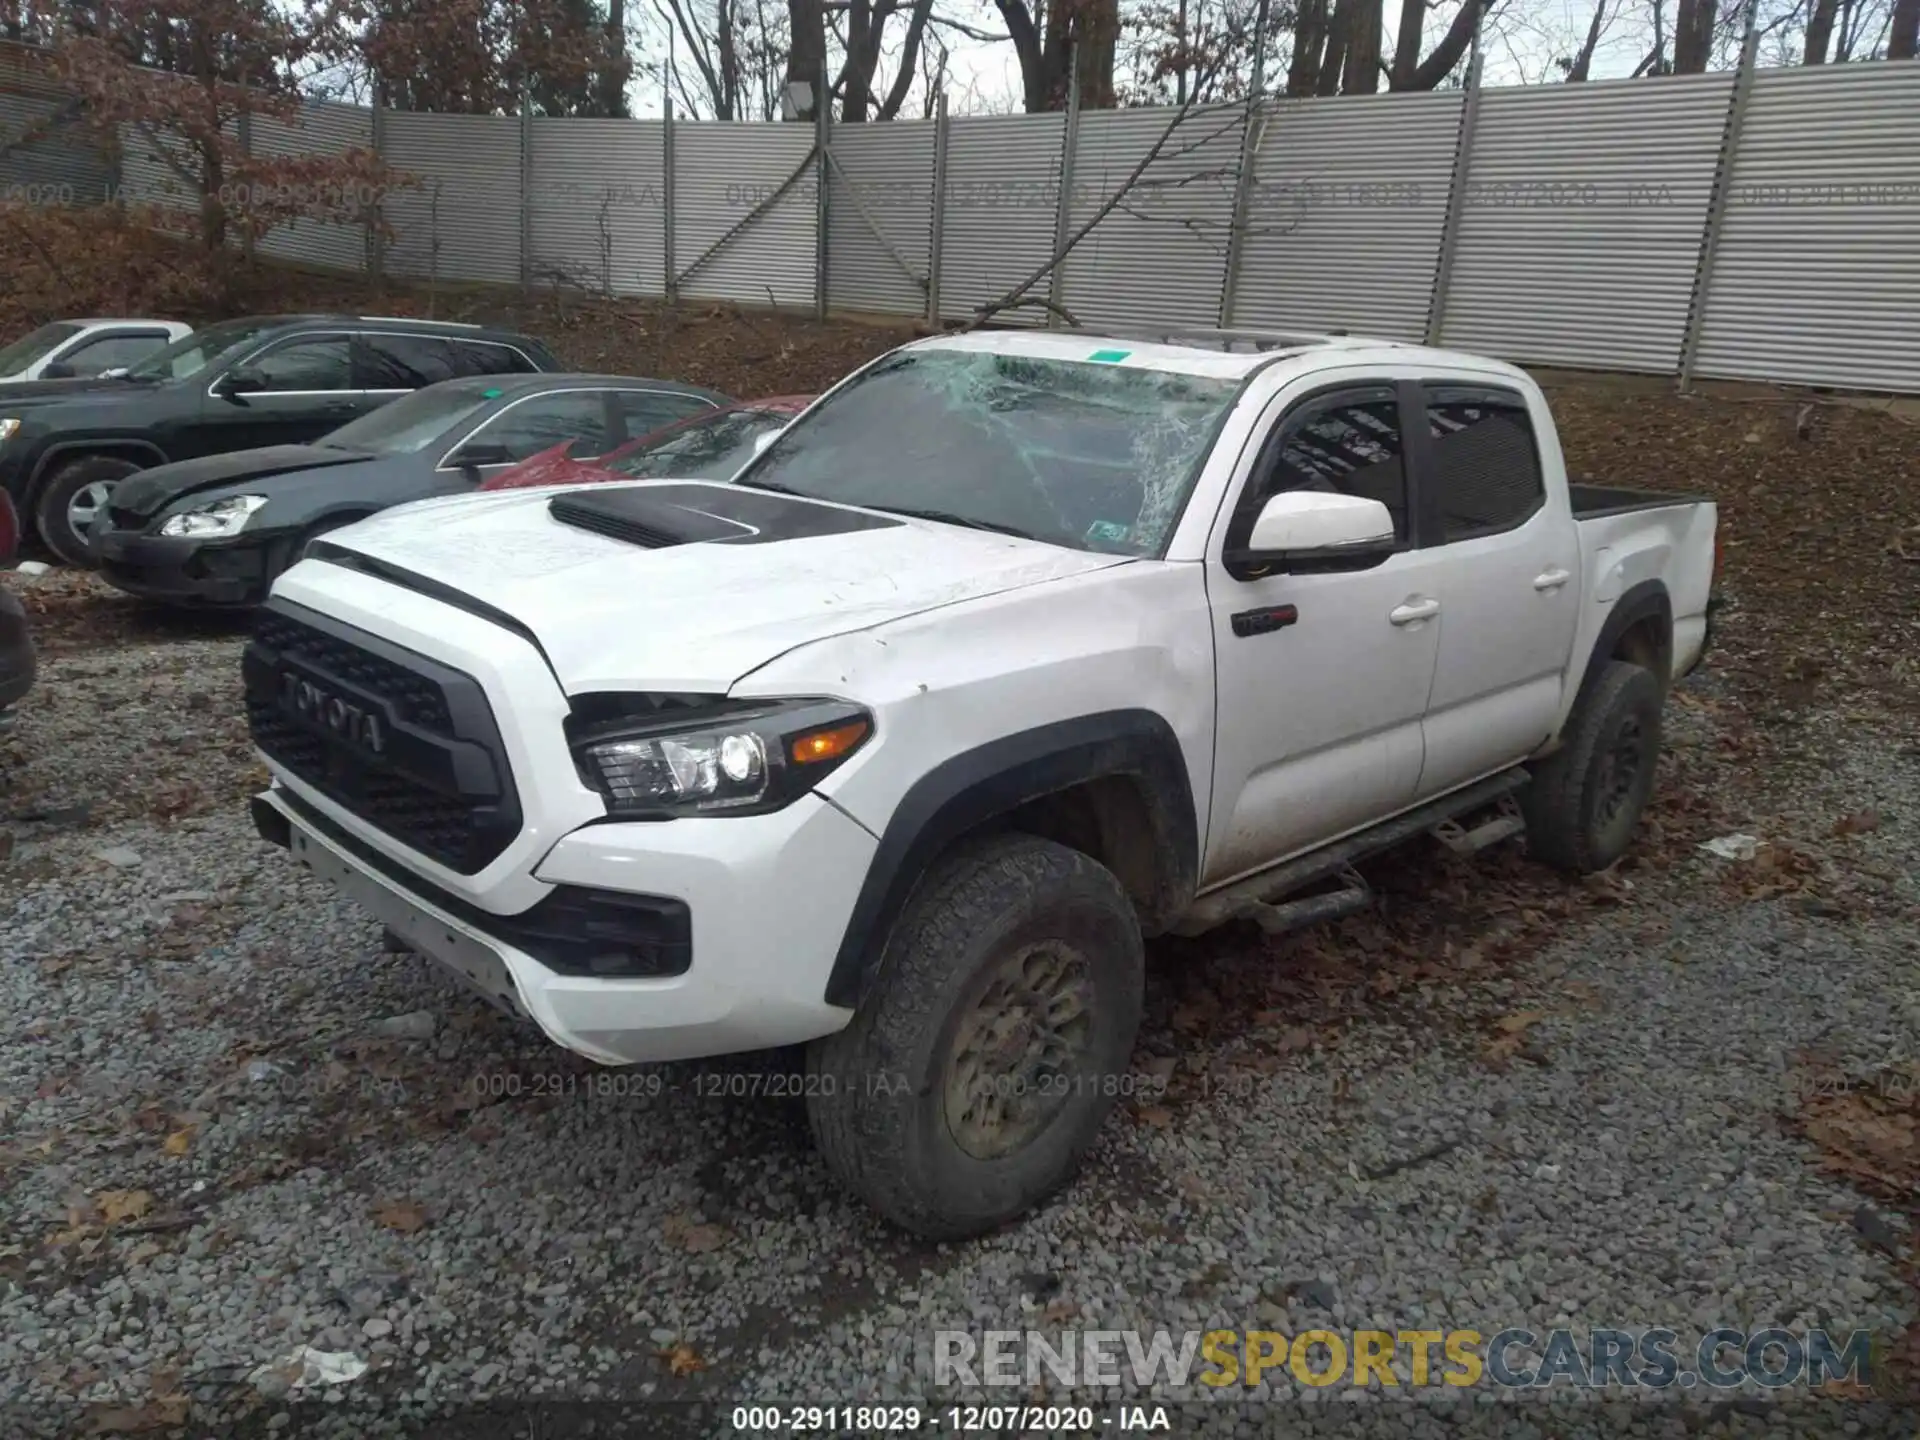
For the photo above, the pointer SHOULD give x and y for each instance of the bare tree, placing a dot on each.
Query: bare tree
(1080, 33)
(1903, 34)
(1693, 35)
(1582, 61)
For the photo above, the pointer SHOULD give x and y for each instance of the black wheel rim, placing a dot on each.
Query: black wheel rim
(1620, 766)
(1017, 1056)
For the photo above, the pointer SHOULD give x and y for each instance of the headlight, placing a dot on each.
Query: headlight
(222, 517)
(746, 759)
(9, 427)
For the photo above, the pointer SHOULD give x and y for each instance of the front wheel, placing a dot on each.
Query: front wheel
(72, 497)
(976, 1074)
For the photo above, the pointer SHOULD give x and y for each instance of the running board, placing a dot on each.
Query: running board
(1505, 823)
(1250, 897)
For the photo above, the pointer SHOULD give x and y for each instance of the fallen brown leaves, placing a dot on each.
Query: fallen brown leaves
(682, 1359)
(692, 1235)
(406, 1216)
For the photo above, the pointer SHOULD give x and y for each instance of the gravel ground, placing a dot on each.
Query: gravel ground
(231, 1126)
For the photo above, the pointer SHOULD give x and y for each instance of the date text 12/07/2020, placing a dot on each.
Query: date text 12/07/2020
(652, 1084)
(878, 1419)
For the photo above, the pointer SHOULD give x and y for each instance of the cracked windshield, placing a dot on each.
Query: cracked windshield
(1085, 454)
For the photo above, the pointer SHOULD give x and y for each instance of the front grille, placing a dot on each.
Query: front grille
(403, 742)
(417, 698)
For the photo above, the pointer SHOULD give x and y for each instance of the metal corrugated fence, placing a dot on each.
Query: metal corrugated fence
(1160, 256)
(1345, 213)
(145, 176)
(1585, 232)
(1817, 274)
(1003, 195)
(47, 157)
(1573, 252)
(461, 221)
(328, 130)
(599, 205)
(721, 171)
(887, 186)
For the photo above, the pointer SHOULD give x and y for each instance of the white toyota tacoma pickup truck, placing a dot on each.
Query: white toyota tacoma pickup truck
(1014, 649)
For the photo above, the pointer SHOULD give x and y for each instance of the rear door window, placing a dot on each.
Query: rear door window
(642, 412)
(1484, 472)
(540, 422)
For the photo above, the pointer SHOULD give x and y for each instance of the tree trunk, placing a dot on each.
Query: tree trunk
(1037, 80)
(1428, 74)
(1583, 61)
(1309, 40)
(1693, 35)
(1406, 45)
(806, 45)
(1361, 72)
(909, 59)
(612, 88)
(1096, 30)
(1903, 39)
(1334, 58)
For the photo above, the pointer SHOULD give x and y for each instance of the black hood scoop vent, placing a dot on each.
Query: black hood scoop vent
(639, 519)
(658, 517)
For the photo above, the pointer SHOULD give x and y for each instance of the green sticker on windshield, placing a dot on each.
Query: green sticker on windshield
(489, 394)
(1107, 532)
(1109, 357)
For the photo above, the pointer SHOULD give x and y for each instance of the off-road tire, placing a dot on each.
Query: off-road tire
(1580, 808)
(877, 1091)
(50, 506)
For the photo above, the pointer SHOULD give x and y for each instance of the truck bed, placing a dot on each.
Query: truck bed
(1591, 502)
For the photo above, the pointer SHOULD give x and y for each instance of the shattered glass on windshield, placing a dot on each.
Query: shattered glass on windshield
(1095, 456)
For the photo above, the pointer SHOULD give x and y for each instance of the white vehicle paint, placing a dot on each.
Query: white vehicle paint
(82, 349)
(1299, 695)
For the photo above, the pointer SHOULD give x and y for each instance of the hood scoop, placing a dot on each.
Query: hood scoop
(640, 519)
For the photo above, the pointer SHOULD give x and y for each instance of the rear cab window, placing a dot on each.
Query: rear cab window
(409, 362)
(1483, 473)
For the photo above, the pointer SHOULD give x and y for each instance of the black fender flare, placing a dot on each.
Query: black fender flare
(1647, 600)
(976, 786)
(51, 458)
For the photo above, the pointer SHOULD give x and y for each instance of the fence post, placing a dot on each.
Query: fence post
(526, 191)
(822, 123)
(244, 125)
(669, 280)
(1243, 184)
(1456, 201)
(374, 225)
(1717, 204)
(1063, 213)
(938, 219)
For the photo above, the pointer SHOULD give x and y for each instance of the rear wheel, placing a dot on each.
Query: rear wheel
(1586, 798)
(975, 1076)
(70, 500)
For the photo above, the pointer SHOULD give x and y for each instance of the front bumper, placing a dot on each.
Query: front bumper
(769, 897)
(17, 662)
(184, 570)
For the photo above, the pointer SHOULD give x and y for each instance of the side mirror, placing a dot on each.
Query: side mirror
(240, 382)
(481, 454)
(58, 370)
(1319, 530)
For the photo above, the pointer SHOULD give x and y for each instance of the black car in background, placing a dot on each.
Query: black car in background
(267, 380)
(216, 531)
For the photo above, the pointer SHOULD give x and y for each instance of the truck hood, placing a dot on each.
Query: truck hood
(690, 616)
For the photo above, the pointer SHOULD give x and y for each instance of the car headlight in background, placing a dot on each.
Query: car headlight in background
(9, 427)
(746, 759)
(221, 517)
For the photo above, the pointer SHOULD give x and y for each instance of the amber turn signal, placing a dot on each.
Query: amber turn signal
(829, 744)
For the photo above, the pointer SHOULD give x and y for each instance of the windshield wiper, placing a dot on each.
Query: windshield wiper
(948, 517)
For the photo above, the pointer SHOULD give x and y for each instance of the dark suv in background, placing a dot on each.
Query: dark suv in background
(267, 380)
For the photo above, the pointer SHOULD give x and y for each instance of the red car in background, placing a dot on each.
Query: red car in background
(712, 446)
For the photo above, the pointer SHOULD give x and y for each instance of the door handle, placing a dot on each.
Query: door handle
(1413, 610)
(1552, 579)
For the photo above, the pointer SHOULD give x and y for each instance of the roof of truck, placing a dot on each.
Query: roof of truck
(1225, 354)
